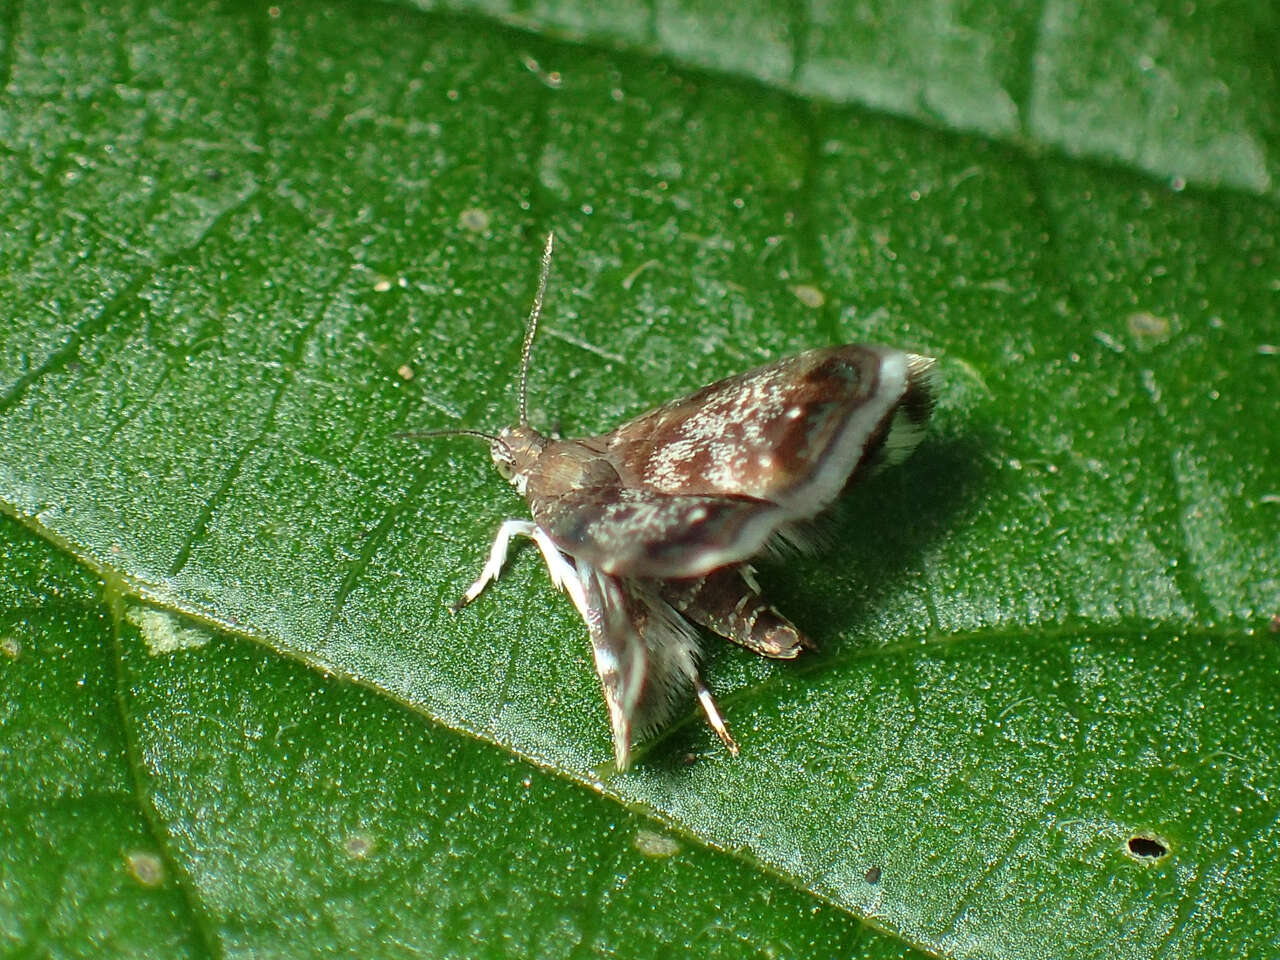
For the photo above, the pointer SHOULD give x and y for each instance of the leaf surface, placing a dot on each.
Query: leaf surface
(243, 251)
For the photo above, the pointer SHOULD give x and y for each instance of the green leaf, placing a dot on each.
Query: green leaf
(245, 247)
(1184, 92)
(172, 791)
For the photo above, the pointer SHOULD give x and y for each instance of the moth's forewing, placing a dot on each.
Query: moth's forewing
(643, 533)
(783, 432)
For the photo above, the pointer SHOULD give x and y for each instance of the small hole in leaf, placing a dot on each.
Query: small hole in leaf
(1147, 848)
(873, 875)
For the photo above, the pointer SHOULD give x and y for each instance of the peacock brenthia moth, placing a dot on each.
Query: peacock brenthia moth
(652, 527)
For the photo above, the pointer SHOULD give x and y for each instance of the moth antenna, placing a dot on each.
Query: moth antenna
(532, 327)
(449, 432)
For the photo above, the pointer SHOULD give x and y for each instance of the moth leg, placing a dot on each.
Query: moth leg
(563, 573)
(713, 716)
(728, 602)
(497, 557)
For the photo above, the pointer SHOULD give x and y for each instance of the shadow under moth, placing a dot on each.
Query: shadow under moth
(651, 528)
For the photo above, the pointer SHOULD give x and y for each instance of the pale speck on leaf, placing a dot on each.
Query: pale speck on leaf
(1148, 327)
(163, 632)
(358, 846)
(809, 295)
(145, 867)
(653, 844)
(475, 220)
(630, 279)
(549, 78)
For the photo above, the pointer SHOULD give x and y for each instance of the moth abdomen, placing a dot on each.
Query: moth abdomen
(728, 602)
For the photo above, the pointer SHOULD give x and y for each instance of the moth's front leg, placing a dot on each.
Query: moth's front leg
(497, 557)
(563, 574)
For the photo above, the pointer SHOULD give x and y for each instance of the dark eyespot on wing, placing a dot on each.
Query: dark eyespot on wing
(898, 434)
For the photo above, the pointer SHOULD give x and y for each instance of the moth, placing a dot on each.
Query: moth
(652, 528)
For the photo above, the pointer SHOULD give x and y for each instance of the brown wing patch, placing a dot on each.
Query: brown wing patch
(760, 434)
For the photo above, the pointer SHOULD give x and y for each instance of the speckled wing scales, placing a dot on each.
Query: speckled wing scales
(790, 432)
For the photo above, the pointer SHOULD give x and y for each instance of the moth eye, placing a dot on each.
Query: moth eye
(506, 469)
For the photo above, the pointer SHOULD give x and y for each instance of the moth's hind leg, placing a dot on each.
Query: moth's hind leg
(728, 602)
(497, 557)
(713, 715)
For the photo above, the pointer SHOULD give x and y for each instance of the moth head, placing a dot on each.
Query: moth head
(514, 451)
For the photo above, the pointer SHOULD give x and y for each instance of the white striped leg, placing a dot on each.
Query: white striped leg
(497, 557)
(563, 573)
(713, 716)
